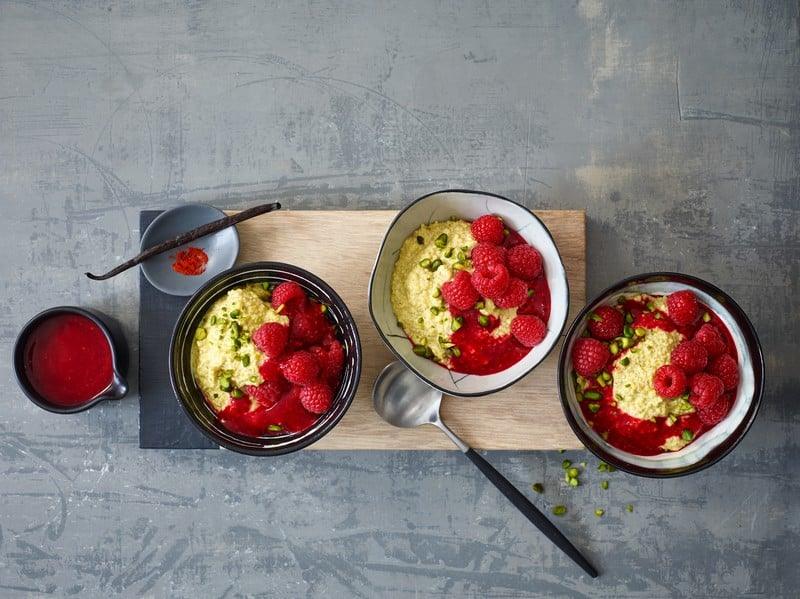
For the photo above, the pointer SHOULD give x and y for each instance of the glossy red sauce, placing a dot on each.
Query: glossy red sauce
(643, 437)
(191, 262)
(68, 360)
(481, 353)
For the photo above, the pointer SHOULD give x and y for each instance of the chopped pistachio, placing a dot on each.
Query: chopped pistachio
(434, 310)
(594, 407)
(706, 317)
(274, 428)
(538, 487)
(628, 318)
(483, 320)
(437, 292)
(604, 484)
(420, 350)
(457, 323)
(579, 397)
(441, 241)
(613, 348)
(246, 360)
(640, 332)
(480, 305)
(455, 351)
(687, 435)
(448, 253)
(425, 263)
(601, 381)
(625, 361)
(237, 393)
(566, 464)
(559, 510)
(436, 264)
(629, 507)
(573, 472)
(235, 313)
(200, 333)
(627, 331)
(596, 317)
(574, 482)
(599, 512)
(213, 319)
(606, 376)
(591, 395)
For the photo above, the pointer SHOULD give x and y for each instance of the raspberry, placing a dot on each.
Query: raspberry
(709, 337)
(727, 370)
(525, 262)
(484, 254)
(286, 293)
(682, 307)
(491, 281)
(267, 394)
(270, 371)
(316, 398)
(717, 411)
(605, 323)
(589, 356)
(271, 338)
(308, 325)
(488, 228)
(689, 355)
(459, 293)
(331, 360)
(529, 330)
(300, 368)
(706, 389)
(669, 381)
(514, 296)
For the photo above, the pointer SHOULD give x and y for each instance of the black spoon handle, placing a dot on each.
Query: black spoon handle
(538, 519)
(201, 231)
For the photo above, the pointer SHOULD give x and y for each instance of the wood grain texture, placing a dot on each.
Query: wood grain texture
(340, 247)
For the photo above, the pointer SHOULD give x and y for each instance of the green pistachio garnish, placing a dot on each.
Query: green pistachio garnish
(483, 320)
(538, 487)
(591, 395)
(599, 512)
(594, 408)
(604, 484)
(687, 435)
(441, 241)
(425, 263)
(559, 510)
(200, 333)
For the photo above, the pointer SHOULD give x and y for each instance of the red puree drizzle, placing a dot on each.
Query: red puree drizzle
(643, 437)
(481, 353)
(191, 261)
(68, 360)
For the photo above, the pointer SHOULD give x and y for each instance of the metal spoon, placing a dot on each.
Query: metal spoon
(405, 401)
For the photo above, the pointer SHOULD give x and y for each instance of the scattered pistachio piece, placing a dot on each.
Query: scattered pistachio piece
(441, 241)
(629, 507)
(591, 395)
(594, 407)
(559, 510)
(425, 263)
(566, 464)
(604, 484)
(274, 428)
(538, 487)
(687, 435)
(483, 320)
(200, 333)
(599, 512)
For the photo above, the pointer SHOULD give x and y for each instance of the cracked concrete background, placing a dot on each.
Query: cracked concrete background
(676, 125)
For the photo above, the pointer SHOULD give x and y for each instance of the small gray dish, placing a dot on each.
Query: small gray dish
(222, 248)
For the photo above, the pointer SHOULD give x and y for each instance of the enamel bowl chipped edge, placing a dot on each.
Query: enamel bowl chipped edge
(222, 248)
(467, 205)
(712, 445)
(191, 398)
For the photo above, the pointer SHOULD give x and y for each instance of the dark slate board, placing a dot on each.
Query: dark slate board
(162, 422)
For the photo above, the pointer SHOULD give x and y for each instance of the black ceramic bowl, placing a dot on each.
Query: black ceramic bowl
(118, 387)
(192, 400)
(712, 445)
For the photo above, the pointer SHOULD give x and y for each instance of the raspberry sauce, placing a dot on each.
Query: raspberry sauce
(67, 359)
(631, 434)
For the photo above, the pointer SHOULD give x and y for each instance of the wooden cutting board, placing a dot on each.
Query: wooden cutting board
(340, 247)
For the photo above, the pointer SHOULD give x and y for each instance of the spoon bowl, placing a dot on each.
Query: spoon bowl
(403, 400)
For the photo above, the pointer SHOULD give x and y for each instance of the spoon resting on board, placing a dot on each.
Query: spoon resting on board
(189, 236)
(405, 401)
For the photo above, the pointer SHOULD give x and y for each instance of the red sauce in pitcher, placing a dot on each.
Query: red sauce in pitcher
(68, 359)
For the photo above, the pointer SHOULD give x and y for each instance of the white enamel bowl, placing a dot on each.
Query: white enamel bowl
(467, 205)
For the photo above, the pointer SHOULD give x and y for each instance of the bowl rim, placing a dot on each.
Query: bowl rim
(727, 445)
(19, 367)
(402, 359)
(316, 434)
(235, 243)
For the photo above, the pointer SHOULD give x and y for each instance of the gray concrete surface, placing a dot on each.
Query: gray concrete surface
(675, 124)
